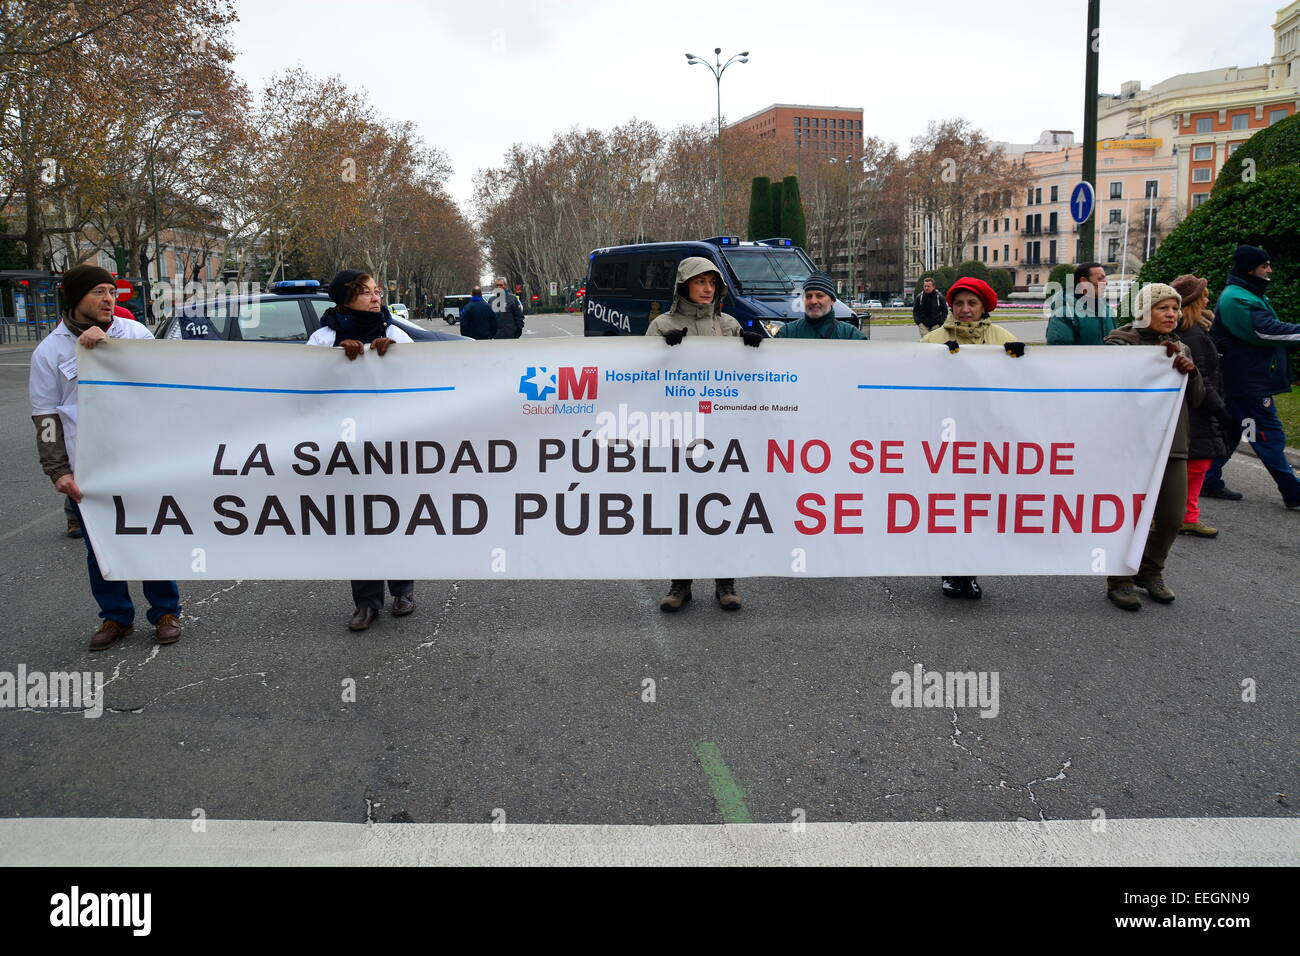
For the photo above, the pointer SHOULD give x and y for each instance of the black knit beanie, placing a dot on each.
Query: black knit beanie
(78, 281)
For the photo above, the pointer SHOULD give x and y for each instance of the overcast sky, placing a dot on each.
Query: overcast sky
(478, 76)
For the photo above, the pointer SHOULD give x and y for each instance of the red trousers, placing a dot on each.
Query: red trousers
(1196, 469)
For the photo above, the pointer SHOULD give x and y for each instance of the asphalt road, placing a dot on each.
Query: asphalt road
(524, 700)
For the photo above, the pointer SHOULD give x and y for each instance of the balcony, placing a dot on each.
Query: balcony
(1040, 232)
(1039, 263)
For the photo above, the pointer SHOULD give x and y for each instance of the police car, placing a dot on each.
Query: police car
(627, 286)
(290, 312)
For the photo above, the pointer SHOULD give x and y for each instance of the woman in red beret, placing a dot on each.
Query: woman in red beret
(970, 303)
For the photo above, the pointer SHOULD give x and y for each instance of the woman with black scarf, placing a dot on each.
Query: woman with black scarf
(358, 319)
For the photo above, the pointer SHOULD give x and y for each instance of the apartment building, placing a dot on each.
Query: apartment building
(819, 132)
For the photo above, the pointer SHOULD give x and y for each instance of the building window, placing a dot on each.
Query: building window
(1029, 201)
(1202, 175)
(995, 254)
(1233, 147)
(1205, 125)
(1241, 121)
(995, 225)
(1038, 196)
(1276, 116)
(1114, 216)
(1153, 189)
(1199, 198)
(1054, 193)
(1202, 153)
(1113, 253)
(1116, 190)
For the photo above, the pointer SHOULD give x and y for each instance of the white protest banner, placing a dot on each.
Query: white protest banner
(620, 458)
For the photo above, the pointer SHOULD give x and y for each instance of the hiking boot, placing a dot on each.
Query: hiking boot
(403, 605)
(1124, 596)
(363, 618)
(74, 529)
(108, 634)
(1156, 588)
(679, 593)
(725, 591)
(1223, 494)
(1198, 529)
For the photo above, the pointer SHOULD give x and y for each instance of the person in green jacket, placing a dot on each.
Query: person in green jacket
(819, 320)
(1082, 316)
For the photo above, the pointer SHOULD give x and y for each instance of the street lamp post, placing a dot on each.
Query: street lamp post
(717, 68)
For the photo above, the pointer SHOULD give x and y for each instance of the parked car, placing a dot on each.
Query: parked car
(451, 306)
(896, 303)
(399, 310)
(290, 312)
(874, 304)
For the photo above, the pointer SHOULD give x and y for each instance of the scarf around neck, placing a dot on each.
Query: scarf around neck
(347, 323)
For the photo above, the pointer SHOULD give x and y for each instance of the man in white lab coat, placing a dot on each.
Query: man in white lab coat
(89, 294)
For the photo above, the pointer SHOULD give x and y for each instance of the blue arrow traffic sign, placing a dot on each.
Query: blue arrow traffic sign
(1082, 199)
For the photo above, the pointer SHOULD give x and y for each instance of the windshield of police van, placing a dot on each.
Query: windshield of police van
(764, 269)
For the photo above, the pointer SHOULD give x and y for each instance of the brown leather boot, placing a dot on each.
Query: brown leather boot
(725, 592)
(167, 630)
(108, 634)
(679, 594)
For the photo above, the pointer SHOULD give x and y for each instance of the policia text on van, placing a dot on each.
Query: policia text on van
(628, 286)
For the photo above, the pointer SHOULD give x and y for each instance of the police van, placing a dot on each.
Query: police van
(628, 286)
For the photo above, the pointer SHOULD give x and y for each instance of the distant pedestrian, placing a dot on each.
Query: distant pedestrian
(477, 320)
(697, 311)
(357, 319)
(1156, 310)
(1082, 315)
(1209, 423)
(88, 320)
(1256, 366)
(509, 311)
(819, 321)
(929, 308)
(972, 301)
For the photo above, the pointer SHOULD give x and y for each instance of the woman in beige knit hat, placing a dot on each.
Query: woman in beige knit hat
(1157, 309)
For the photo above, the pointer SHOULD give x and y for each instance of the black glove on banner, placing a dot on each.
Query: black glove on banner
(1014, 349)
(953, 346)
(751, 338)
(674, 336)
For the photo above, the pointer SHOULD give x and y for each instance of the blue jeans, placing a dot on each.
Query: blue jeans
(1269, 445)
(114, 598)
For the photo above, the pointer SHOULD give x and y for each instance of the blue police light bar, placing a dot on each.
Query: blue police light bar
(724, 240)
(295, 285)
(776, 242)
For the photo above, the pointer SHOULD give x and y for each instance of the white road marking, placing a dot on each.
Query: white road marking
(1191, 841)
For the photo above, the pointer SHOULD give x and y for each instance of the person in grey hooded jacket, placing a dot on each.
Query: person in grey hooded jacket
(697, 310)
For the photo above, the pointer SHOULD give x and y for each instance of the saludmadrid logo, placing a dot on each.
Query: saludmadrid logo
(75, 690)
(546, 391)
(74, 909)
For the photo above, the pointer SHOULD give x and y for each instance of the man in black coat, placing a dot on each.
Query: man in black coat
(930, 308)
(509, 311)
(477, 320)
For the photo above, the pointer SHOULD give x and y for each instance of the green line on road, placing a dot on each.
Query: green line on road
(729, 795)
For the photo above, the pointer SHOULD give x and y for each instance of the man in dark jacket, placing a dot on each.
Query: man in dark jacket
(509, 311)
(477, 320)
(1254, 343)
(818, 320)
(930, 308)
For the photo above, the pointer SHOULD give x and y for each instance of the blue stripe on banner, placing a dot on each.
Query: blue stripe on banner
(961, 388)
(275, 391)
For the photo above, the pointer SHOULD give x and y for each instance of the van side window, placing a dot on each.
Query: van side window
(658, 275)
(610, 274)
